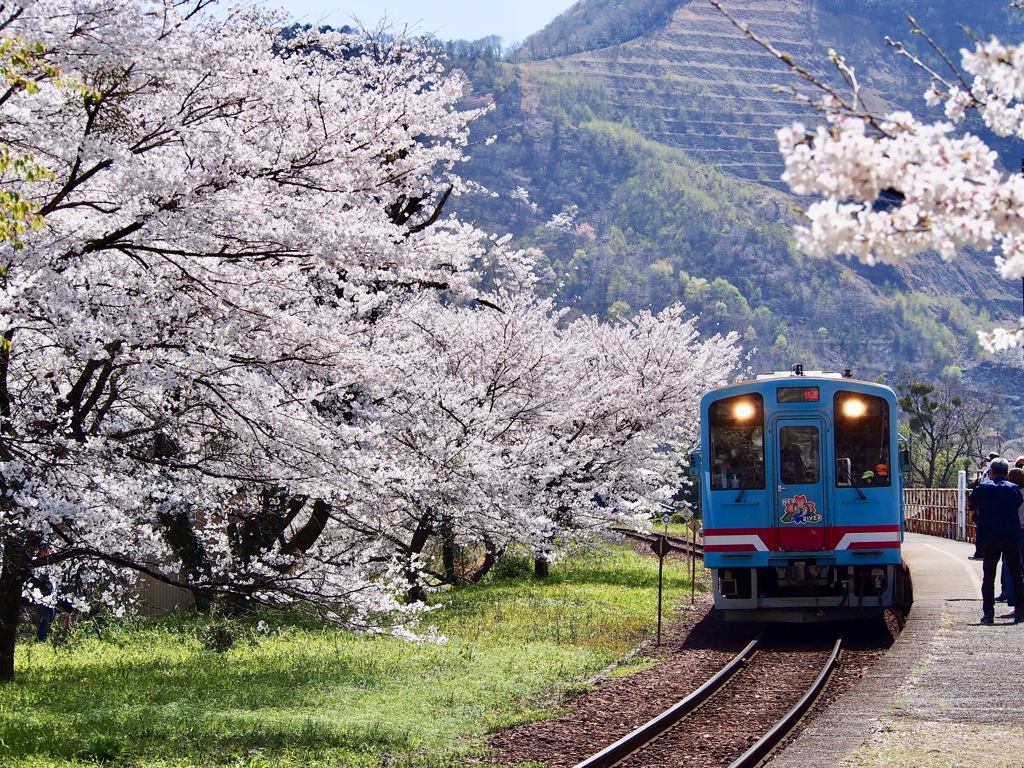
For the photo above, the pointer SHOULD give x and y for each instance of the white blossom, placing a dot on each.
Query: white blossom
(893, 187)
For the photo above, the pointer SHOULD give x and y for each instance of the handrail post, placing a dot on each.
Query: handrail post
(961, 505)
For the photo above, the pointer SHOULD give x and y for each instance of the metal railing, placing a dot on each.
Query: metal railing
(939, 511)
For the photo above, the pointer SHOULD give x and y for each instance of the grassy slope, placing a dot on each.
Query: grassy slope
(148, 693)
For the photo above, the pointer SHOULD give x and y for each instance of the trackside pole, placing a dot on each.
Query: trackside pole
(660, 546)
(693, 565)
(692, 523)
(661, 565)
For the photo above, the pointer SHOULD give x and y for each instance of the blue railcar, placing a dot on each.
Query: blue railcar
(802, 498)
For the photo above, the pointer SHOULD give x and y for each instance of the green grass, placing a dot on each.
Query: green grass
(148, 693)
(679, 530)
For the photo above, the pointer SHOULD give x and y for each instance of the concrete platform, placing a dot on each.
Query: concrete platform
(950, 691)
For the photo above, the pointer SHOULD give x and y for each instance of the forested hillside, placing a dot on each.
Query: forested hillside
(635, 147)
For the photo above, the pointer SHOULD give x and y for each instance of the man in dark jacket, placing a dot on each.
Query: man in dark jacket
(996, 501)
(982, 475)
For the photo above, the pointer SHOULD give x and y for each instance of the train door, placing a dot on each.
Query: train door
(799, 517)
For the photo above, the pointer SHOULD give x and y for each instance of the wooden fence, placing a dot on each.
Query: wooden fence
(156, 598)
(937, 512)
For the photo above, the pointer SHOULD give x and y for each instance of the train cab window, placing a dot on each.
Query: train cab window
(862, 447)
(799, 461)
(736, 450)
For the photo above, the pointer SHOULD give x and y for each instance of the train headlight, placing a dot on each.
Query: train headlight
(744, 411)
(854, 408)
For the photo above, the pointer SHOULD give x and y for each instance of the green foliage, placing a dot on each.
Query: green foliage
(152, 694)
(103, 748)
(647, 265)
(219, 636)
(511, 566)
(596, 24)
(23, 68)
(944, 422)
(22, 65)
(18, 215)
(481, 59)
(937, 331)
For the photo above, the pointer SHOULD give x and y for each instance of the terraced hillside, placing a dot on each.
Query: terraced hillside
(647, 127)
(700, 85)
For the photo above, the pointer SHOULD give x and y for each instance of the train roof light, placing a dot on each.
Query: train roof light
(790, 374)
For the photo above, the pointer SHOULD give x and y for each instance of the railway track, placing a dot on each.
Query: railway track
(673, 543)
(737, 717)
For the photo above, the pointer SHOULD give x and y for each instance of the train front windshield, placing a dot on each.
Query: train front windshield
(861, 446)
(736, 426)
(861, 440)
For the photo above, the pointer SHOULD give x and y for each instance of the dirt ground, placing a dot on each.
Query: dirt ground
(692, 650)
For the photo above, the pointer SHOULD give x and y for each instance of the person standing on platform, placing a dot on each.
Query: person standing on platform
(1016, 476)
(997, 502)
(980, 475)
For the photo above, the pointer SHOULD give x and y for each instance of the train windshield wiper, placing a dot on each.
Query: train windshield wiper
(748, 475)
(848, 477)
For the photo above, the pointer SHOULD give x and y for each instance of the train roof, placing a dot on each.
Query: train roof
(796, 375)
(802, 374)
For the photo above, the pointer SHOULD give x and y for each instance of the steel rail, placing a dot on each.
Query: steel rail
(646, 733)
(763, 746)
(674, 542)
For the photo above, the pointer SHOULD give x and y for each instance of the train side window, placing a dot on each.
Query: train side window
(736, 451)
(862, 450)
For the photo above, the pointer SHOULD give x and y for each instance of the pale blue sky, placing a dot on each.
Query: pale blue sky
(512, 20)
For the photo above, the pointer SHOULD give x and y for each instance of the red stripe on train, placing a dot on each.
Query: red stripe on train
(801, 539)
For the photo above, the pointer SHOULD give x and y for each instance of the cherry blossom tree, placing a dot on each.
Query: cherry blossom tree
(517, 426)
(247, 354)
(893, 185)
(229, 212)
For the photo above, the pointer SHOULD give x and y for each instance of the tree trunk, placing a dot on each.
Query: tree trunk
(449, 553)
(10, 608)
(415, 593)
(181, 537)
(420, 537)
(14, 572)
(491, 556)
(541, 567)
(307, 536)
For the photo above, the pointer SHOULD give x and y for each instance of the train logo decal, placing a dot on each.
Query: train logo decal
(800, 511)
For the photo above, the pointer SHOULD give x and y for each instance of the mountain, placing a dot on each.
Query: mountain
(636, 149)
